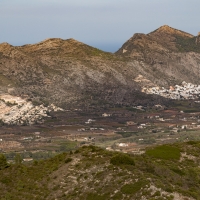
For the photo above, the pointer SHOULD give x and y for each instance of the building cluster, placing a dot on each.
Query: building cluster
(15, 110)
(185, 91)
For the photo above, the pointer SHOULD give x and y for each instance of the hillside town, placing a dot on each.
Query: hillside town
(185, 91)
(15, 110)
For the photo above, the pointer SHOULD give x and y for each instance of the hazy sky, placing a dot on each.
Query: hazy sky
(105, 24)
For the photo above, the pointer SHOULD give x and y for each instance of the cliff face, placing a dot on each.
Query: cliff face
(70, 73)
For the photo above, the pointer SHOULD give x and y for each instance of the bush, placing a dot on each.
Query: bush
(3, 162)
(192, 142)
(185, 44)
(127, 134)
(133, 188)
(93, 196)
(122, 159)
(178, 171)
(68, 160)
(77, 151)
(164, 152)
(18, 159)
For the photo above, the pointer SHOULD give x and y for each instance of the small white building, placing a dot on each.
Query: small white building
(123, 145)
(106, 115)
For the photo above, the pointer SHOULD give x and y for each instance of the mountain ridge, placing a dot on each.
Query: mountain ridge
(159, 36)
(69, 72)
(170, 30)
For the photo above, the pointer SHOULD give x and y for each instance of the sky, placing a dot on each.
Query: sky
(104, 24)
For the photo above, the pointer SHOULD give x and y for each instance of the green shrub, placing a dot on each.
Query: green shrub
(164, 152)
(157, 193)
(185, 44)
(127, 134)
(18, 159)
(68, 160)
(192, 142)
(6, 180)
(93, 196)
(178, 171)
(133, 188)
(77, 151)
(122, 159)
(117, 196)
(3, 162)
(168, 189)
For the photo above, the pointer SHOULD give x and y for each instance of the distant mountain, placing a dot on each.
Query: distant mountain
(163, 40)
(69, 73)
(170, 54)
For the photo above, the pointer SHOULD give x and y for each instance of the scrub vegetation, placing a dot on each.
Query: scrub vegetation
(90, 172)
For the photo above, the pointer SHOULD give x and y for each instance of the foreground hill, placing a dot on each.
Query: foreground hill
(162, 172)
(69, 73)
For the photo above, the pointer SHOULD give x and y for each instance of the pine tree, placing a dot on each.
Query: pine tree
(18, 159)
(3, 162)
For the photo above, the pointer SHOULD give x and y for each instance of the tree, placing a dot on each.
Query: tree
(18, 159)
(3, 162)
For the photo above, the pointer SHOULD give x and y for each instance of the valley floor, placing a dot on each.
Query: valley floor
(124, 129)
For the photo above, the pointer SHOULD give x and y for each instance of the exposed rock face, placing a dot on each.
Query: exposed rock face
(69, 73)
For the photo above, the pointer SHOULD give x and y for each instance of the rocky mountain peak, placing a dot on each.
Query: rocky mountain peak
(153, 47)
(55, 43)
(73, 40)
(169, 30)
(165, 28)
(5, 45)
(50, 42)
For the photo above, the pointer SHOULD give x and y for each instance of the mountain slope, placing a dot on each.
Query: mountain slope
(67, 73)
(163, 172)
(171, 54)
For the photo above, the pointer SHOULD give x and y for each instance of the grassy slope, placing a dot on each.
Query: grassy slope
(185, 44)
(93, 173)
